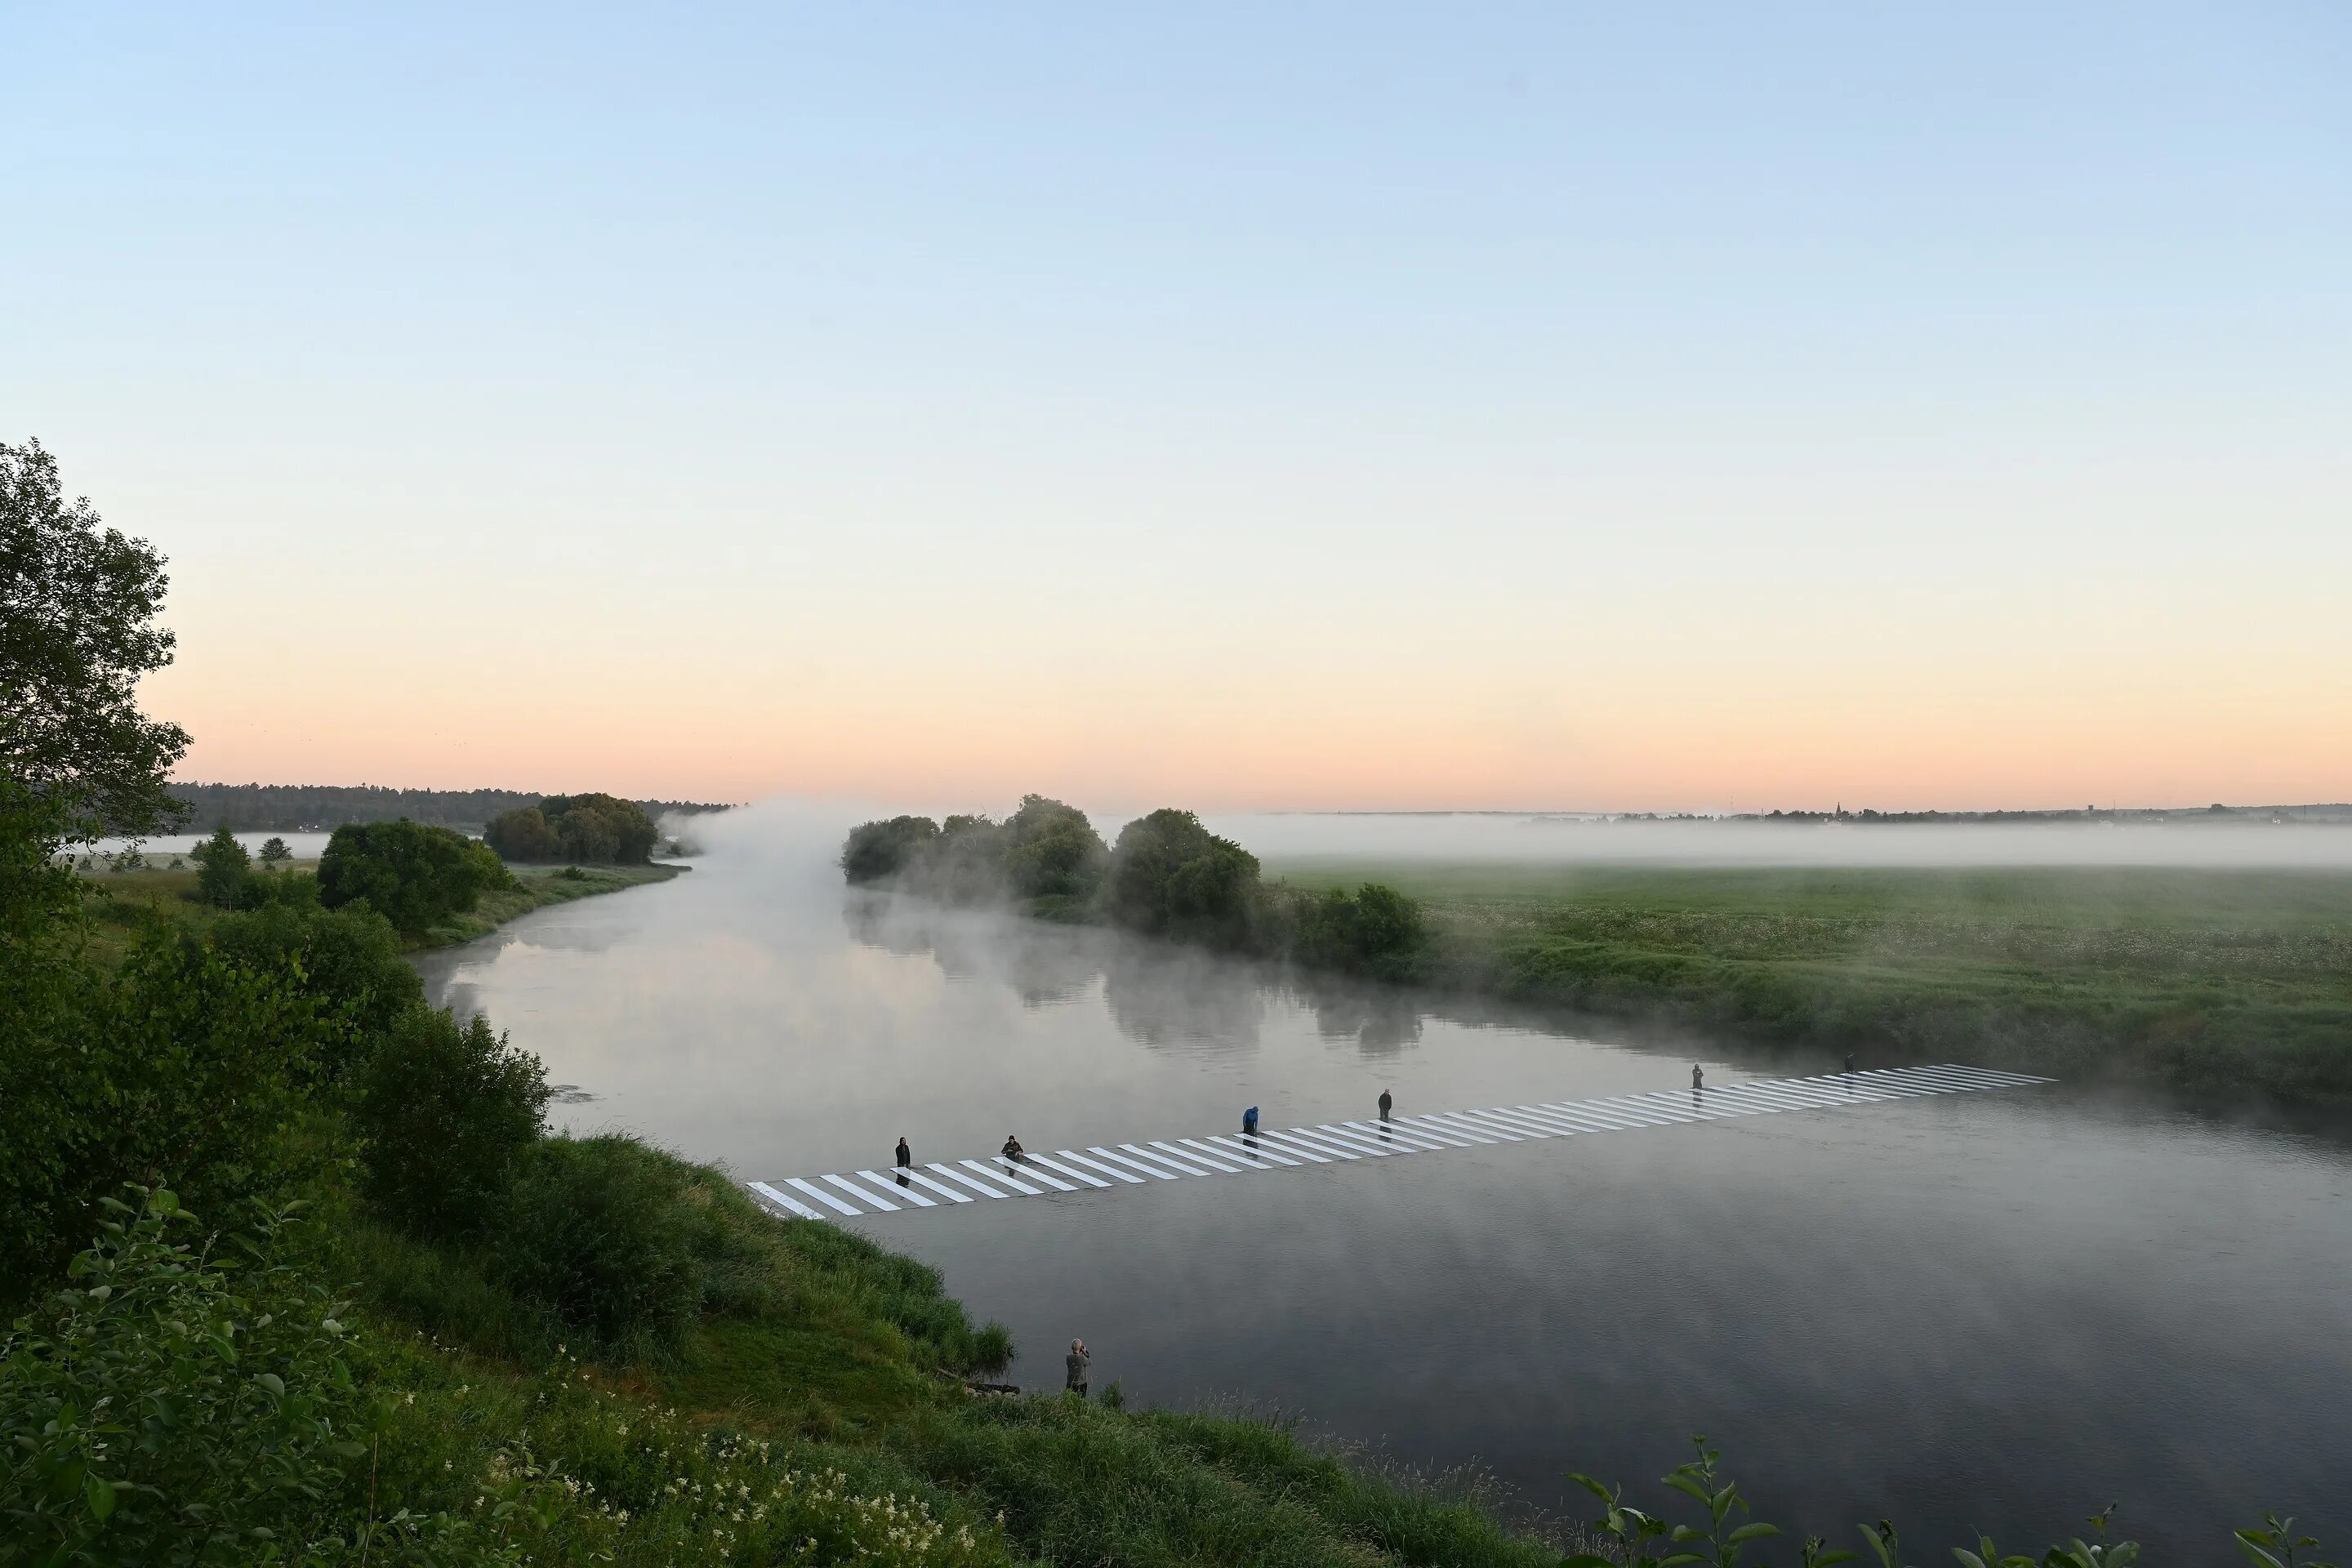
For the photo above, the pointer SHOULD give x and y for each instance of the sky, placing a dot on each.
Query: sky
(1558, 406)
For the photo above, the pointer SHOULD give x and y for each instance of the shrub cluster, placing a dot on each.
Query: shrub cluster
(413, 875)
(598, 829)
(1167, 876)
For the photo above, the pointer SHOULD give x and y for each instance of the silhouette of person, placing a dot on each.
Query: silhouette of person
(1249, 1122)
(1698, 1079)
(1385, 1102)
(1013, 1150)
(906, 1158)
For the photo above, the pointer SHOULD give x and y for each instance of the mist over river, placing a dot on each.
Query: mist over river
(1996, 1310)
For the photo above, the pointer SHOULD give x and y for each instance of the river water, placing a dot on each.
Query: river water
(1996, 1310)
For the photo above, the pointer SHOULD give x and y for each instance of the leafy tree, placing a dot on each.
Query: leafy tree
(223, 869)
(524, 834)
(78, 604)
(878, 851)
(601, 828)
(412, 875)
(1171, 877)
(446, 1110)
(273, 850)
(1051, 850)
(347, 960)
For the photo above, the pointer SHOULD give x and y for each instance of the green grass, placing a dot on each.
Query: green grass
(536, 888)
(824, 1351)
(2216, 980)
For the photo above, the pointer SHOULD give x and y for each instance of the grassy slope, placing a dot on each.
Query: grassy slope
(846, 1361)
(2213, 980)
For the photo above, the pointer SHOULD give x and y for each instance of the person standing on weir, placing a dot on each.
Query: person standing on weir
(1013, 1149)
(905, 1155)
(1080, 1364)
(1385, 1102)
(1698, 1079)
(1249, 1122)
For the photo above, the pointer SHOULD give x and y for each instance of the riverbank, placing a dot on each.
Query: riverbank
(2220, 982)
(120, 901)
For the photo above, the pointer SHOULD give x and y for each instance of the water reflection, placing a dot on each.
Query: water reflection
(1997, 1311)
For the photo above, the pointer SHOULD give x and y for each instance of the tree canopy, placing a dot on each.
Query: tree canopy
(412, 875)
(596, 828)
(77, 606)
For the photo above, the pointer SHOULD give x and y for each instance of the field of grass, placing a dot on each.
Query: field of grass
(2219, 980)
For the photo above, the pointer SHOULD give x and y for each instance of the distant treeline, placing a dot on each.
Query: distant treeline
(1166, 875)
(294, 808)
(601, 829)
(2134, 814)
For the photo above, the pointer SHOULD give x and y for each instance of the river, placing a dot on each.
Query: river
(1996, 1310)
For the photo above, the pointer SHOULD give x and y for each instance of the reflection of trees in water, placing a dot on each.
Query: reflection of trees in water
(1167, 996)
(1159, 994)
(1382, 1019)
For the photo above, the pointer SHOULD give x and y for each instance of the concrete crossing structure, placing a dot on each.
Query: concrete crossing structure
(1150, 1160)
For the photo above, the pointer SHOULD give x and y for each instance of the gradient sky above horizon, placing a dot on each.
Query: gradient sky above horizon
(1366, 406)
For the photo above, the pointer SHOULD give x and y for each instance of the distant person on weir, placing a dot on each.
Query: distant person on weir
(1698, 1079)
(905, 1155)
(1385, 1104)
(1249, 1122)
(1080, 1364)
(1013, 1149)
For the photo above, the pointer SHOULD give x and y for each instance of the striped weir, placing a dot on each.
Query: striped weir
(1098, 1168)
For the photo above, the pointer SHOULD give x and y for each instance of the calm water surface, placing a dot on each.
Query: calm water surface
(1995, 1310)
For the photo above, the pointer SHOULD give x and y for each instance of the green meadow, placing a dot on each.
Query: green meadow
(2217, 981)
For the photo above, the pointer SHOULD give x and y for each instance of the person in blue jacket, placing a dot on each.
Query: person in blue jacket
(1249, 1122)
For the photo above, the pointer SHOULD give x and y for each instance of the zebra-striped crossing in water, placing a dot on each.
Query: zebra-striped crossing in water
(1143, 1162)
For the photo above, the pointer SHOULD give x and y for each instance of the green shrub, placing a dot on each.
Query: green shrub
(412, 875)
(591, 1227)
(601, 829)
(348, 960)
(1051, 850)
(224, 869)
(445, 1110)
(1375, 931)
(163, 1409)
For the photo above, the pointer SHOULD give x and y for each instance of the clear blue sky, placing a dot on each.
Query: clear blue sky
(1362, 382)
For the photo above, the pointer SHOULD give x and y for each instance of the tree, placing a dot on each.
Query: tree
(274, 850)
(1052, 850)
(223, 868)
(78, 606)
(524, 834)
(877, 851)
(446, 1110)
(1171, 877)
(412, 875)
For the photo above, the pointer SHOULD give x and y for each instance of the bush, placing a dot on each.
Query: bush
(412, 875)
(348, 960)
(1375, 931)
(445, 1110)
(166, 1410)
(591, 1227)
(1051, 850)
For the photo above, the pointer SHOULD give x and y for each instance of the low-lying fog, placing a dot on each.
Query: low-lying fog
(1276, 836)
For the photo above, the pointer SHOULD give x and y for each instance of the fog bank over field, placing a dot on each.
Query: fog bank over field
(1278, 836)
(808, 832)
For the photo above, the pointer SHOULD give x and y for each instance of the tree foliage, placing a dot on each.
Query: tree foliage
(78, 606)
(223, 869)
(1171, 877)
(1375, 931)
(445, 1110)
(598, 829)
(413, 875)
(878, 851)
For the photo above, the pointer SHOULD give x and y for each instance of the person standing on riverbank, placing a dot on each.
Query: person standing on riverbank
(1698, 1079)
(1080, 1364)
(905, 1155)
(1385, 1102)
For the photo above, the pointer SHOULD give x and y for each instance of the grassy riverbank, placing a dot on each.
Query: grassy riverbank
(2218, 981)
(120, 902)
